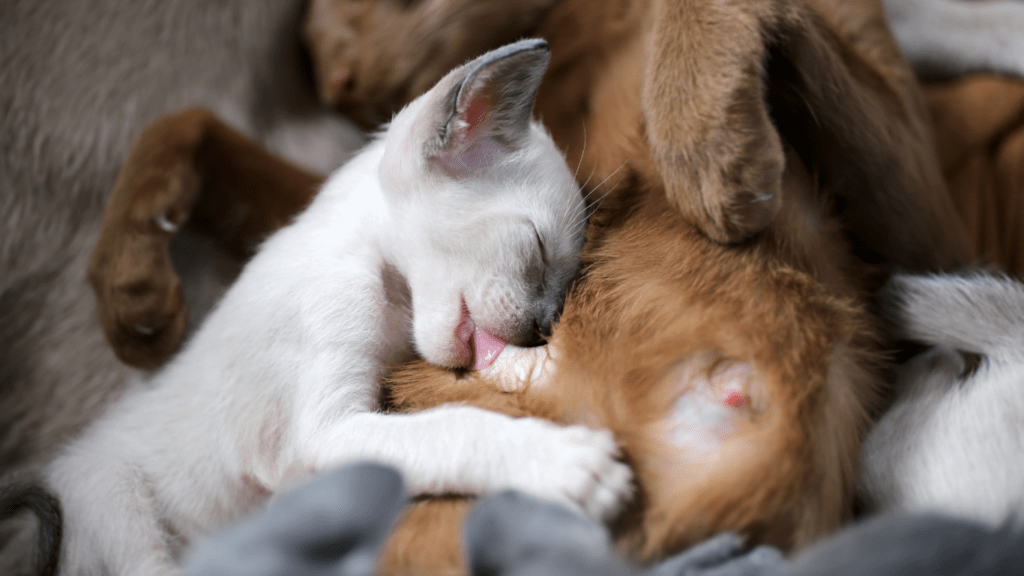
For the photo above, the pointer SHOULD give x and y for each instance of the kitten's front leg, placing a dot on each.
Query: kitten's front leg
(469, 450)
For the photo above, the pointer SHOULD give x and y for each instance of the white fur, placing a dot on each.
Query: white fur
(282, 379)
(954, 443)
(953, 37)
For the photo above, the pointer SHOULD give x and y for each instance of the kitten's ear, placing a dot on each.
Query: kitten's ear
(484, 107)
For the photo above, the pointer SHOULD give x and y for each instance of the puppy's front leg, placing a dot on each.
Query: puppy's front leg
(708, 126)
(184, 163)
(468, 450)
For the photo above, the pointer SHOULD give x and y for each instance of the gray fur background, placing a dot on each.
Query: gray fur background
(78, 80)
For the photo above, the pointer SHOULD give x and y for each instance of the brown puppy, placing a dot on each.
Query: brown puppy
(664, 318)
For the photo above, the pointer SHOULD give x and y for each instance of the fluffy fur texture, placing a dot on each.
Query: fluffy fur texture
(463, 210)
(678, 90)
(664, 320)
(629, 93)
(953, 37)
(80, 80)
(782, 468)
(954, 441)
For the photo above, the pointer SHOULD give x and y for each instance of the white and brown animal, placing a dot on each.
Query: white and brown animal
(737, 377)
(455, 231)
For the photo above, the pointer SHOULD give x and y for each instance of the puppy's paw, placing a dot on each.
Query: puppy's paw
(139, 296)
(730, 188)
(706, 116)
(576, 466)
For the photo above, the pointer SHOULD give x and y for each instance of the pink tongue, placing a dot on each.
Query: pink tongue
(485, 349)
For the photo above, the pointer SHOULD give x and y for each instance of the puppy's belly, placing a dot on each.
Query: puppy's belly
(713, 395)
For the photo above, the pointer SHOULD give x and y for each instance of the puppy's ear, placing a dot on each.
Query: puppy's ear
(485, 106)
(851, 108)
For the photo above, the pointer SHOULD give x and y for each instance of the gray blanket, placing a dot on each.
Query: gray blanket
(337, 523)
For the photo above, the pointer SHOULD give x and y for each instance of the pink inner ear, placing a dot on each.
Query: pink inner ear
(476, 113)
(472, 148)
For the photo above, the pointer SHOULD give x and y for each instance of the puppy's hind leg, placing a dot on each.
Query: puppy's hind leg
(185, 166)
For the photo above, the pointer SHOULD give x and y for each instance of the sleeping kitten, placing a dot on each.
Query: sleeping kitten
(457, 231)
(954, 442)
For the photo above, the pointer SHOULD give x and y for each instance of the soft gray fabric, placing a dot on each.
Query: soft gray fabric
(917, 545)
(512, 534)
(723, 555)
(337, 523)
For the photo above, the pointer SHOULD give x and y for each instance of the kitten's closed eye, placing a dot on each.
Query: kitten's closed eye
(540, 244)
(537, 273)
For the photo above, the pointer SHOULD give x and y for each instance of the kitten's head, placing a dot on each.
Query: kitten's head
(488, 218)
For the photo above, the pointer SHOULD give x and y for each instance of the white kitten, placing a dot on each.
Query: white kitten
(458, 229)
(951, 442)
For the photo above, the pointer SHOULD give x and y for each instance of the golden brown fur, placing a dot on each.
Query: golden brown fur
(682, 143)
(980, 139)
(650, 296)
(655, 106)
(677, 89)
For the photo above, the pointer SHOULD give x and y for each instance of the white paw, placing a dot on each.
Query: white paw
(572, 465)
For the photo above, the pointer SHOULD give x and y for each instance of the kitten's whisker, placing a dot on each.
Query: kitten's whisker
(610, 175)
(584, 185)
(571, 214)
(596, 188)
(582, 152)
(590, 210)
